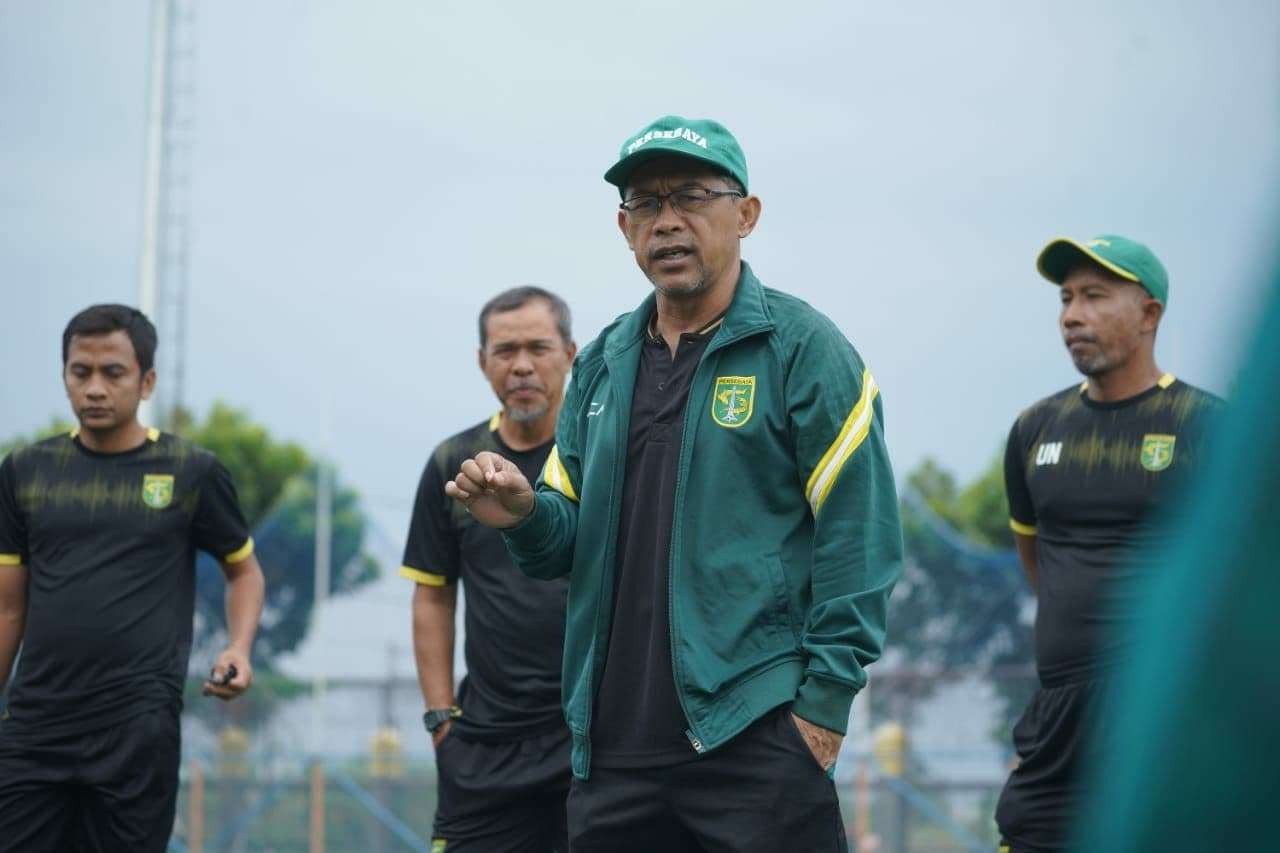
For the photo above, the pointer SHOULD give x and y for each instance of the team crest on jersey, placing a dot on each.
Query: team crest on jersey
(733, 401)
(1157, 451)
(157, 490)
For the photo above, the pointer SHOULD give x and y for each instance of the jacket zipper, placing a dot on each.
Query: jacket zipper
(695, 739)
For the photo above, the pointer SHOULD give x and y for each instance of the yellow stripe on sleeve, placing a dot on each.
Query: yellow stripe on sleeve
(855, 430)
(241, 553)
(555, 475)
(10, 559)
(424, 578)
(1025, 529)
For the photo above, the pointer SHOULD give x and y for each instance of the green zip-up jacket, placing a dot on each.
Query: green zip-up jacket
(785, 543)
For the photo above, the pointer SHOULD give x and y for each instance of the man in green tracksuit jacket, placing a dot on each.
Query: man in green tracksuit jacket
(722, 501)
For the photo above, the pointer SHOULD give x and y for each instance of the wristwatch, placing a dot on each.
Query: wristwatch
(437, 717)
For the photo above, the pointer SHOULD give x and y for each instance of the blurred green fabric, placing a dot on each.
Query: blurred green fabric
(1191, 758)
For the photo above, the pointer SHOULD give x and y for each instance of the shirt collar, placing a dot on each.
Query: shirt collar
(651, 328)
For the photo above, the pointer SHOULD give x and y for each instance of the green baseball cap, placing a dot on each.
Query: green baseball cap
(699, 138)
(1127, 258)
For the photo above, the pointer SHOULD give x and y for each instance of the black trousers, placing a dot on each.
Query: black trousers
(1039, 804)
(506, 797)
(102, 791)
(762, 791)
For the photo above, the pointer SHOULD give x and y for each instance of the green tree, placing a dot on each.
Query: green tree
(261, 465)
(963, 602)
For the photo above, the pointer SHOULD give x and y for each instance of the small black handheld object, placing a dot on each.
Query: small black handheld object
(230, 673)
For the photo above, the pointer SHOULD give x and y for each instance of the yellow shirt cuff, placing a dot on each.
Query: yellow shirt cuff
(424, 578)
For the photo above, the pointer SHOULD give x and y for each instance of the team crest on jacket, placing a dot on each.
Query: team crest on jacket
(733, 400)
(1157, 451)
(157, 490)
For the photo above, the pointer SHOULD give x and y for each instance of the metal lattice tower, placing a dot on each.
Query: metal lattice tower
(164, 264)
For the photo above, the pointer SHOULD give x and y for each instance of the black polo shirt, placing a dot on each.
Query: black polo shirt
(638, 720)
(514, 624)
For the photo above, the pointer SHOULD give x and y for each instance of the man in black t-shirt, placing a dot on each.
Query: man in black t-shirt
(98, 535)
(502, 748)
(1085, 471)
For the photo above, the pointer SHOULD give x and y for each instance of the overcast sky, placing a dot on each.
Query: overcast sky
(367, 174)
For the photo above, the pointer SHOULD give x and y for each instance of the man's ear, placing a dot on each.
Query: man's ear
(622, 226)
(480, 360)
(148, 383)
(748, 215)
(1152, 313)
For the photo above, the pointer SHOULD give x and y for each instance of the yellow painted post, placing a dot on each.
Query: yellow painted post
(890, 747)
(386, 765)
(233, 753)
(317, 808)
(195, 811)
(386, 754)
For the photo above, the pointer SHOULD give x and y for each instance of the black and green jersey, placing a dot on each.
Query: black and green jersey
(1085, 478)
(109, 542)
(514, 624)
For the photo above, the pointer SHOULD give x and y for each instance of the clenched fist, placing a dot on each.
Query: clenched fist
(493, 490)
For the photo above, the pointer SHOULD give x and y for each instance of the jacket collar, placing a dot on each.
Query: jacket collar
(748, 313)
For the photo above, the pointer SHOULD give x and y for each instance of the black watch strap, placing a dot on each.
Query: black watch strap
(437, 717)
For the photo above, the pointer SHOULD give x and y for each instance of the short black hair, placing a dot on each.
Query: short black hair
(518, 297)
(105, 319)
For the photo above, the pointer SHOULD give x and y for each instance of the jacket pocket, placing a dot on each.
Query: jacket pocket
(782, 599)
(737, 612)
(801, 746)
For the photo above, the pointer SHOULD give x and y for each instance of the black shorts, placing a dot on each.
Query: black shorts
(504, 796)
(111, 789)
(1038, 807)
(762, 791)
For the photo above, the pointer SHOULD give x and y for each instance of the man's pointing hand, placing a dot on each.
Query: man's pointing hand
(493, 490)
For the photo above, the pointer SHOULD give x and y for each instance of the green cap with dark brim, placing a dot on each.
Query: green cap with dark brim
(697, 138)
(1126, 258)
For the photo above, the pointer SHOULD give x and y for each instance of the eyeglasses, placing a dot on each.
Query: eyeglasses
(642, 208)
